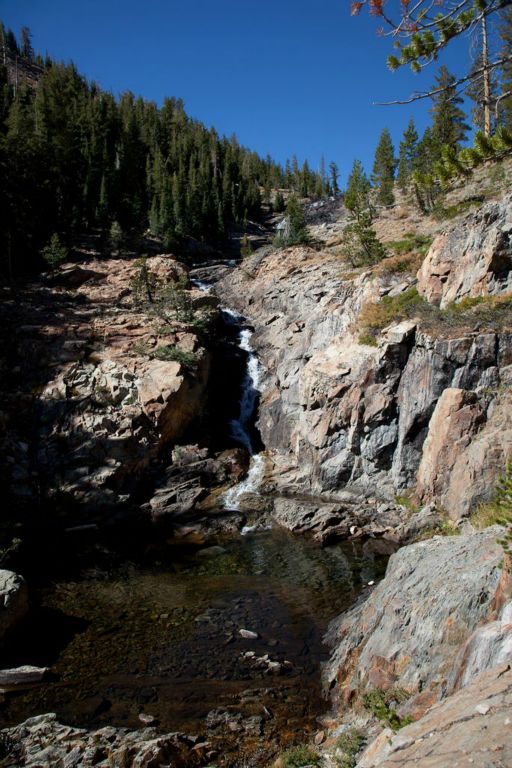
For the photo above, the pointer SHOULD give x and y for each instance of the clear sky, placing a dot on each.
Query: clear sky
(287, 76)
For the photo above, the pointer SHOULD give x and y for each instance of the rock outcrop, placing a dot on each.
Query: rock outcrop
(473, 258)
(104, 384)
(43, 741)
(473, 729)
(13, 602)
(409, 632)
(337, 415)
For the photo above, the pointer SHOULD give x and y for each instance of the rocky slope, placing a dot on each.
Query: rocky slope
(421, 406)
(339, 416)
(349, 420)
(103, 388)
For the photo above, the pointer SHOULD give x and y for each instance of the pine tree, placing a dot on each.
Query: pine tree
(334, 174)
(360, 244)
(448, 119)
(383, 175)
(26, 44)
(357, 195)
(408, 156)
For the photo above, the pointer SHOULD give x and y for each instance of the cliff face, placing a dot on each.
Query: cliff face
(90, 405)
(337, 415)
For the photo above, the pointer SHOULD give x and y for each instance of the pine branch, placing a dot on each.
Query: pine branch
(436, 91)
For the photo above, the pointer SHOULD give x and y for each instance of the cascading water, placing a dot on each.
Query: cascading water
(241, 427)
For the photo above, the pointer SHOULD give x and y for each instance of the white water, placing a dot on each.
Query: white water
(240, 428)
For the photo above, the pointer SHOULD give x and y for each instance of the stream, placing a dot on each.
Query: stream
(224, 641)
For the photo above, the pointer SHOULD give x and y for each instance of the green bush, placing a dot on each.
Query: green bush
(299, 756)
(411, 243)
(379, 702)
(186, 359)
(348, 746)
(376, 316)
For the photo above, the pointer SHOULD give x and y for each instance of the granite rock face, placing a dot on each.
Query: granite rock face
(91, 405)
(471, 729)
(410, 630)
(474, 258)
(339, 416)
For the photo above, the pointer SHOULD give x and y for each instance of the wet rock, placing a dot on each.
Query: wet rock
(21, 676)
(247, 634)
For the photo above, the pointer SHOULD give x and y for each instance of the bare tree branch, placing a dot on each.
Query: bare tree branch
(435, 91)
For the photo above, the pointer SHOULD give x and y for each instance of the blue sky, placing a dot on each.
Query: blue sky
(287, 76)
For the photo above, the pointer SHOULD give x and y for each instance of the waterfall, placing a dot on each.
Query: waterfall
(240, 428)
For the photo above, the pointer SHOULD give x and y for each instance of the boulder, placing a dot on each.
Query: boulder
(409, 631)
(13, 601)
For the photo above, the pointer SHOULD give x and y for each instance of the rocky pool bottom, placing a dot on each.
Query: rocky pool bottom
(158, 639)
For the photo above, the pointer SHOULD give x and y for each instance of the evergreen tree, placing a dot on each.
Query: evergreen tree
(357, 195)
(360, 244)
(448, 119)
(383, 175)
(334, 174)
(408, 156)
(26, 44)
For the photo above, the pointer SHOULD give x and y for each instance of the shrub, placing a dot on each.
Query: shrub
(375, 317)
(379, 703)
(348, 746)
(186, 359)
(412, 242)
(299, 756)
(499, 509)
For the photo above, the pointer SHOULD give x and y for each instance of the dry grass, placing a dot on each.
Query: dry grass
(493, 313)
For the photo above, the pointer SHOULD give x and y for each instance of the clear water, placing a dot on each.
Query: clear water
(164, 639)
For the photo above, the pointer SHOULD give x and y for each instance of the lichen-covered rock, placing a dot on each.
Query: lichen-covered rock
(408, 633)
(13, 602)
(472, 259)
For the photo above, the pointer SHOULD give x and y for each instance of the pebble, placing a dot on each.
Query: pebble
(248, 635)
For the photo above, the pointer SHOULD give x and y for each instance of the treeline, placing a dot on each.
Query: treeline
(74, 159)
(425, 163)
